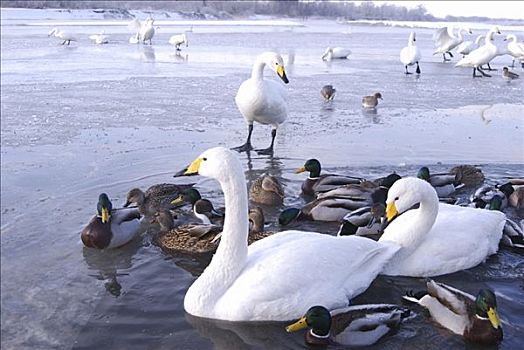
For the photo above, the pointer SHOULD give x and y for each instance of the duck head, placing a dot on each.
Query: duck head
(486, 307)
(165, 219)
(288, 215)
(378, 95)
(104, 207)
(190, 195)
(423, 173)
(256, 219)
(317, 318)
(311, 165)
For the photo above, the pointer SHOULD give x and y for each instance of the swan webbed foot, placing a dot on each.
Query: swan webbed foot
(265, 151)
(483, 73)
(407, 70)
(246, 147)
(475, 75)
(418, 69)
(490, 69)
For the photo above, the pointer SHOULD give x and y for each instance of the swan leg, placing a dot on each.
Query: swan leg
(489, 68)
(474, 75)
(482, 72)
(450, 54)
(63, 42)
(246, 147)
(269, 150)
(418, 69)
(444, 56)
(407, 70)
(513, 63)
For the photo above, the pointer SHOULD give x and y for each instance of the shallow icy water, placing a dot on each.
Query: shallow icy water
(81, 120)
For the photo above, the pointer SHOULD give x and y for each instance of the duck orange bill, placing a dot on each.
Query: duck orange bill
(282, 74)
(300, 170)
(192, 169)
(391, 211)
(300, 324)
(493, 317)
(105, 215)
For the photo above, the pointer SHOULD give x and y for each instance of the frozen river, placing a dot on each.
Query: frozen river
(83, 119)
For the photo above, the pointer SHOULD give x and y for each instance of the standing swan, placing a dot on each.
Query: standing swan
(482, 55)
(263, 100)
(410, 54)
(515, 49)
(445, 41)
(57, 33)
(281, 276)
(436, 238)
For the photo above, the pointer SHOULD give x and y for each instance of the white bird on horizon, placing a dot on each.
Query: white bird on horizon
(99, 39)
(178, 40)
(482, 55)
(144, 30)
(57, 33)
(445, 41)
(410, 54)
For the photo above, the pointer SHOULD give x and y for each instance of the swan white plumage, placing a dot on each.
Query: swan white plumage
(280, 276)
(147, 31)
(410, 54)
(515, 48)
(482, 55)
(445, 41)
(436, 238)
(57, 33)
(178, 40)
(467, 46)
(335, 53)
(263, 100)
(100, 39)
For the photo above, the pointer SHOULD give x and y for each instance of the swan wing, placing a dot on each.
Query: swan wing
(263, 101)
(291, 271)
(442, 37)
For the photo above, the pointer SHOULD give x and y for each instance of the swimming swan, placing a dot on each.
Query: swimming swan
(410, 54)
(436, 238)
(263, 100)
(280, 276)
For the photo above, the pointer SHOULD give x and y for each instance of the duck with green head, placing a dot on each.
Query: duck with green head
(475, 319)
(359, 325)
(317, 182)
(446, 184)
(513, 234)
(111, 228)
(205, 211)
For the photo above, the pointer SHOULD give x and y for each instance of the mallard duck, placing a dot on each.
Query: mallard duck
(445, 41)
(475, 319)
(263, 100)
(410, 54)
(508, 194)
(321, 183)
(512, 235)
(155, 198)
(202, 208)
(186, 238)
(447, 183)
(272, 269)
(371, 101)
(328, 92)
(256, 225)
(359, 325)
(366, 221)
(57, 33)
(188, 195)
(457, 237)
(509, 75)
(111, 228)
(267, 190)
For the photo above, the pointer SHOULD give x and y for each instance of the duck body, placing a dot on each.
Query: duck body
(316, 183)
(371, 101)
(457, 237)
(359, 325)
(155, 198)
(328, 92)
(273, 269)
(473, 318)
(267, 190)
(335, 53)
(509, 75)
(410, 54)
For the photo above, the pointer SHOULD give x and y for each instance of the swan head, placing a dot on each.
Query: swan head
(413, 37)
(497, 30)
(407, 193)
(275, 62)
(212, 163)
(479, 38)
(486, 307)
(318, 318)
(104, 207)
(54, 31)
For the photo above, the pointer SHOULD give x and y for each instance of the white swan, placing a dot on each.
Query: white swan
(263, 100)
(515, 48)
(335, 53)
(147, 31)
(99, 39)
(57, 33)
(482, 55)
(283, 275)
(178, 40)
(467, 46)
(436, 238)
(445, 41)
(410, 54)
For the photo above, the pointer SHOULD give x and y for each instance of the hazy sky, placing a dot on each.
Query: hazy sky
(493, 9)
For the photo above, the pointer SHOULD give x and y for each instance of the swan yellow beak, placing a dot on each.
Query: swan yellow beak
(391, 211)
(193, 167)
(493, 317)
(178, 199)
(282, 74)
(105, 215)
(300, 324)
(300, 170)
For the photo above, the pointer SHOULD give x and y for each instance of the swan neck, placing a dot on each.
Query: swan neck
(489, 37)
(258, 69)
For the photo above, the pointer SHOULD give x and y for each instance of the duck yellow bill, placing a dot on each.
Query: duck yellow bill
(178, 199)
(391, 211)
(300, 170)
(493, 317)
(300, 324)
(105, 215)
(193, 167)
(282, 74)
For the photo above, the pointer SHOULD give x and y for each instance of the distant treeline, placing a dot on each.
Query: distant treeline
(291, 8)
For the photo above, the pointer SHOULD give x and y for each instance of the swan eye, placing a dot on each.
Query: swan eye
(204, 159)
(396, 198)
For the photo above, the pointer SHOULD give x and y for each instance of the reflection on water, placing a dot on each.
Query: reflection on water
(178, 57)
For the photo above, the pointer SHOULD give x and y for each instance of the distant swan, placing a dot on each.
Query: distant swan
(515, 48)
(57, 33)
(99, 39)
(335, 53)
(482, 55)
(410, 54)
(178, 40)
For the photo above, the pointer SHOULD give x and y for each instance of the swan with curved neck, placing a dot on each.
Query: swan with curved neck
(482, 55)
(515, 49)
(410, 54)
(436, 238)
(263, 100)
(445, 41)
(280, 276)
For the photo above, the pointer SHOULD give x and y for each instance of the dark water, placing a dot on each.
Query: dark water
(81, 120)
